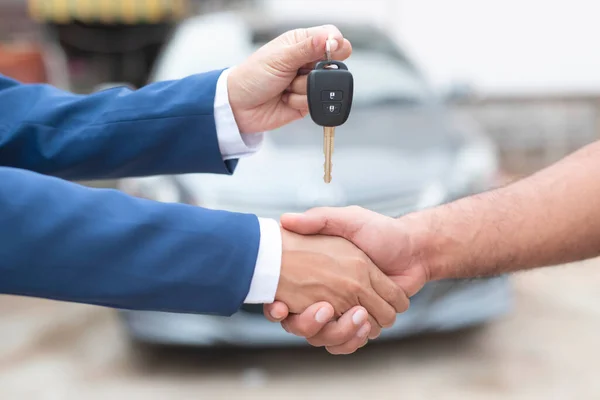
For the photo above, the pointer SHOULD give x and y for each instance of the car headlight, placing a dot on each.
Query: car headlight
(433, 195)
(475, 168)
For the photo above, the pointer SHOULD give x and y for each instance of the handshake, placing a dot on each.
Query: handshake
(345, 274)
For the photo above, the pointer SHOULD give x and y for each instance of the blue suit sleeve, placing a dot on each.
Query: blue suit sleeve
(68, 242)
(163, 128)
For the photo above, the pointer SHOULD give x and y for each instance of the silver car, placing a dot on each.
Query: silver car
(400, 151)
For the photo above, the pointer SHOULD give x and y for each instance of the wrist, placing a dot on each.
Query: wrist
(282, 284)
(429, 246)
(235, 97)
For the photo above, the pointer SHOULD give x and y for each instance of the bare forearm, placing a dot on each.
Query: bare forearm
(549, 218)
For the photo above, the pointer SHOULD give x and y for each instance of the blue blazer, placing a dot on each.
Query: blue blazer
(60, 240)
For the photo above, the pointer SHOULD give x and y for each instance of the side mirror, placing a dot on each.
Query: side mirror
(461, 92)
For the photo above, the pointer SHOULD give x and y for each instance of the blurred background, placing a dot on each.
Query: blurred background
(458, 97)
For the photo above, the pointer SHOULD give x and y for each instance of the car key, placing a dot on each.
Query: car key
(330, 87)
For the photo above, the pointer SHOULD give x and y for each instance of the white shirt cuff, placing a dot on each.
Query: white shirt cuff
(268, 264)
(232, 143)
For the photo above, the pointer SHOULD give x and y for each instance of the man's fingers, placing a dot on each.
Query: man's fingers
(359, 340)
(341, 54)
(381, 310)
(308, 45)
(375, 328)
(388, 290)
(296, 101)
(343, 330)
(334, 221)
(323, 32)
(340, 335)
(276, 312)
(311, 321)
(304, 224)
(355, 343)
(298, 85)
(376, 304)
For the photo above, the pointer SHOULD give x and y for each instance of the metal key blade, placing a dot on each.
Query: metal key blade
(328, 138)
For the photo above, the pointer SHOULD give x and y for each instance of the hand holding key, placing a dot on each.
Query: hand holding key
(330, 88)
(268, 90)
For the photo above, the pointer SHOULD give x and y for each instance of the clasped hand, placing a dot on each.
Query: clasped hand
(318, 268)
(361, 240)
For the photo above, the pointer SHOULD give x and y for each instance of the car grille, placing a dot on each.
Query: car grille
(391, 206)
(395, 207)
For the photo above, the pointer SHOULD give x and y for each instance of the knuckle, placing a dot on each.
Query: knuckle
(304, 331)
(396, 294)
(294, 35)
(328, 339)
(342, 334)
(332, 29)
(331, 350)
(403, 306)
(356, 289)
(306, 49)
(374, 334)
(350, 301)
(387, 319)
(354, 208)
(316, 342)
(361, 267)
(299, 34)
(342, 303)
(361, 263)
(346, 348)
(335, 350)
(297, 329)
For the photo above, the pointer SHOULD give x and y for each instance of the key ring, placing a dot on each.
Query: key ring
(328, 48)
(328, 53)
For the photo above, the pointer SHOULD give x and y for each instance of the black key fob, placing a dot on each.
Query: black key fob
(330, 87)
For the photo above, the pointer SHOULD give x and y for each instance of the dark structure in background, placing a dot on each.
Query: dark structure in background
(15, 24)
(109, 40)
(117, 53)
(115, 40)
(22, 56)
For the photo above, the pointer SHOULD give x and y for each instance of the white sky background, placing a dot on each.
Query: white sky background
(497, 45)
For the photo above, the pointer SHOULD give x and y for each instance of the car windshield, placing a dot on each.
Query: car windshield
(381, 79)
(382, 76)
(389, 109)
(391, 105)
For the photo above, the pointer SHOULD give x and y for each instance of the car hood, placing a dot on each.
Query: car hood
(289, 176)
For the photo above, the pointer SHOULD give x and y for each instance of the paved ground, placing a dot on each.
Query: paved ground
(547, 349)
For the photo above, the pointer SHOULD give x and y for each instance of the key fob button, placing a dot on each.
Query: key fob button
(332, 108)
(332, 95)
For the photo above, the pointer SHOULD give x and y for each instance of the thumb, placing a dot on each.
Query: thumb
(304, 224)
(309, 46)
(343, 222)
(276, 312)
